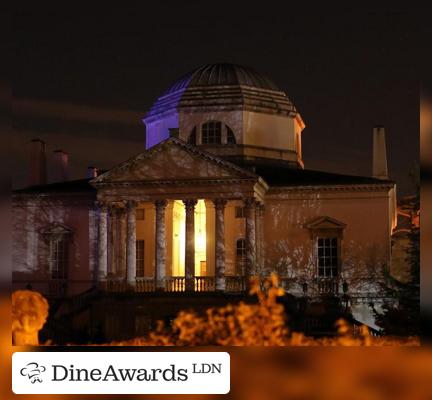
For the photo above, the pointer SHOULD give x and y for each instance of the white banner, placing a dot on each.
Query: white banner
(120, 372)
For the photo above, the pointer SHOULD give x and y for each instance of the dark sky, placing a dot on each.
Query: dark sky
(82, 79)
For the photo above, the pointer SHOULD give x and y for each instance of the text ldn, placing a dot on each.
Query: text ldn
(62, 373)
(204, 368)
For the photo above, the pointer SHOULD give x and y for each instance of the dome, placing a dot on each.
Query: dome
(223, 87)
(223, 75)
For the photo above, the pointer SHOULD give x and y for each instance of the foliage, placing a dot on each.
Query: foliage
(261, 324)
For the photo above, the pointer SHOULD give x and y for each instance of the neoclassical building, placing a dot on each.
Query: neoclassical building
(219, 192)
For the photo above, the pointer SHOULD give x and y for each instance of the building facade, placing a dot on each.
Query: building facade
(218, 194)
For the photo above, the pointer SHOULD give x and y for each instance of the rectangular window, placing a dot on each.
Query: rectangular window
(140, 214)
(59, 257)
(327, 257)
(140, 258)
(212, 133)
(240, 212)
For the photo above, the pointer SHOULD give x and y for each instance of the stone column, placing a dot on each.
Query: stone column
(121, 245)
(259, 212)
(220, 243)
(131, 243)
(160, 253)
(250, 237)
(102, 242)
(190, 244)
(113, 236)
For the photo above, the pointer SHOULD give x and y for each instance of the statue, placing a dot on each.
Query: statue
(29, 314)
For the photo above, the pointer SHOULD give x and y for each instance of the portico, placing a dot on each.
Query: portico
(184, 228)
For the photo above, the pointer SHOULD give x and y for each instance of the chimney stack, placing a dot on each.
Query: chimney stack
(37, 174)
(60, 166)
(379, 164)
(92, 172)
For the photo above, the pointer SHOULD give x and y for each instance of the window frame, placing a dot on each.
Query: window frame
(59, 263)
(140, 258)
(240, 212)
(330, 251)
(211, 132)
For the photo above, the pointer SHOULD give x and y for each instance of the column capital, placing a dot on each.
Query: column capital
(219, 203)
(131, 204)
(161, 204)
(190, 203)
(102, 205)
(249, 202)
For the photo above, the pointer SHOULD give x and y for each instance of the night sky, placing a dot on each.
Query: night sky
(83, 79)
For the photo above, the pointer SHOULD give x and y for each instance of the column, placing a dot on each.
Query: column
(259, 236)
(250, 237)
(102, 243)
(131, 243)
(160, 253)
(190, 244)
(112, 249)
(121, 245)
(220, 243)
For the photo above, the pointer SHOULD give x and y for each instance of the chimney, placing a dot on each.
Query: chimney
(37, 174)
(60, 166)
(379, 164)
(92, 172)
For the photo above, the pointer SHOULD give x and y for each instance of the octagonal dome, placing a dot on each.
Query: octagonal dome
(223, 87)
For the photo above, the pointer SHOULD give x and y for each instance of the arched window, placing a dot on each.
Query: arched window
(240, 256)
(192, 136)
(212, 132)
(230, 136)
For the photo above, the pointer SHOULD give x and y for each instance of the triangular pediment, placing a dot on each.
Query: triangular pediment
(172, 160)
(325, 222)
(56, 229)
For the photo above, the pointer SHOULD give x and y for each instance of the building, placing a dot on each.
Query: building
(218, 193)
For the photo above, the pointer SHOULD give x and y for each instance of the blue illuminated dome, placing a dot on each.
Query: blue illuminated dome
(221, 87)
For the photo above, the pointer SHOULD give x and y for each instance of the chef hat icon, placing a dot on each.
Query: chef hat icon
(33, 371)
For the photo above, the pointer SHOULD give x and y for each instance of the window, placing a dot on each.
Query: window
(192, 137)
(241, 248)
(230, 136)
(59, 257)
(327, 257)
(212, 132)
(240, 212)
(140, 258)
(241, 255)
(140, 214)
(327, 236)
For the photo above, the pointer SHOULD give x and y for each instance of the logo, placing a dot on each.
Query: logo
(33, 371)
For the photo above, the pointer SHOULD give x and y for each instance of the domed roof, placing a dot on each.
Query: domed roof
(223, 74)
(223, 87)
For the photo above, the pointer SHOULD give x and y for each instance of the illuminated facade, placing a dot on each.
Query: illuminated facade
(218, 194)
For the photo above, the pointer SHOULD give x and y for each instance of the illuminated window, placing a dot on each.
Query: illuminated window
(212, 132)
(240, 212)
(140, 258)
(59, 257)
(328, 259)
(230, 136)
(192, 137)
(140, 214)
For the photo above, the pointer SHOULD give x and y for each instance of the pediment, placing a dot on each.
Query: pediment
(172, 160)
(56, 229)
(325, 222)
